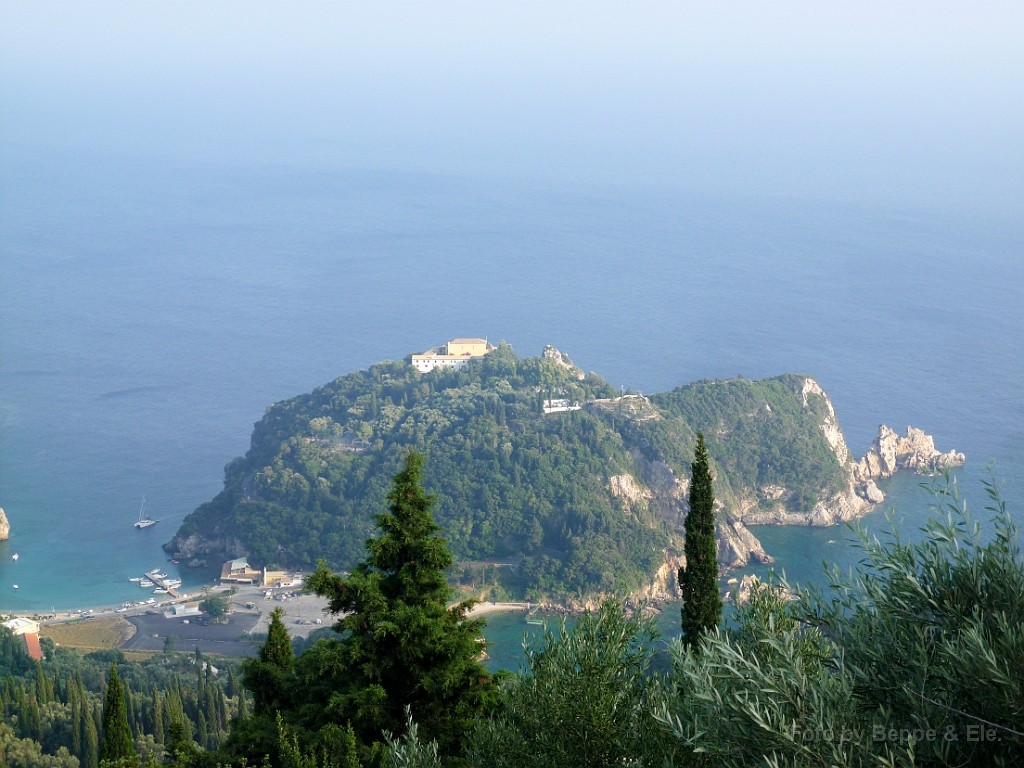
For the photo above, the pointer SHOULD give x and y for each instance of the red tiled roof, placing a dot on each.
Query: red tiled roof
(32, 646)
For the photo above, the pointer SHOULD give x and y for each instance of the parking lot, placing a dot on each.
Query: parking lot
(301, 612)
(225, 639)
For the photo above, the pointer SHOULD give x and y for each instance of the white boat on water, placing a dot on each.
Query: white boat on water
(145, 583)
(173, 583)
(15, 586)
(144, 522)
(159, 591)
(158, 576)
(135, 578)
(15, 556)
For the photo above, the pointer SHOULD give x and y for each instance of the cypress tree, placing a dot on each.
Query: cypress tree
(117, 736)
(91, 757)
(698, 579)
(203, 734)
(77, 726)
(41, 687)
(158, 718)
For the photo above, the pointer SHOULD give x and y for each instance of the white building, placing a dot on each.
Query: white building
(455, 354)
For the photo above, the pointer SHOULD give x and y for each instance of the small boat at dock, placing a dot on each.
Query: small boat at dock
(135, 578)
(145, 583)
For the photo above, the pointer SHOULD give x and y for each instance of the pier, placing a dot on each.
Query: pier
(162, 583)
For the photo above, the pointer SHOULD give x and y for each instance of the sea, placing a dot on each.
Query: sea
(156, 295)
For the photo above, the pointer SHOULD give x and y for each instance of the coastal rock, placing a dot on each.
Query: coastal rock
(664, 586)
(737, 546)
(891, 451)
(841, 507)
(190, 547)
(5, 527)
(871, 492)
(750, 583)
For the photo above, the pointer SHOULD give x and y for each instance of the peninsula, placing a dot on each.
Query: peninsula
(562, 487)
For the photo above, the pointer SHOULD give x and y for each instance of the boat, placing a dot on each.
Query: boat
(158, 576)
(144, 522)
(173, 583)
(15, 556)
(135, 578)
(159, 591)
(15, 586)
(537, 622)
(145, 583)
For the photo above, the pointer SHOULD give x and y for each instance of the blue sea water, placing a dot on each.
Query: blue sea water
(150, 315)
(204, 211)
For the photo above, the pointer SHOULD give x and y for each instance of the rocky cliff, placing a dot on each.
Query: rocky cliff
(5, 527)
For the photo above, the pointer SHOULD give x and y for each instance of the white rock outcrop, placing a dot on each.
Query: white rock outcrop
(891, 452)
(626, 488)
(562, 359)
(5, 527)
(830, 425)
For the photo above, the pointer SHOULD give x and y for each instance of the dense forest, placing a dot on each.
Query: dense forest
(53, 709)
(513, 483)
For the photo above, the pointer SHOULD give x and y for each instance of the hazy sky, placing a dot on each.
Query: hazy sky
(913, 103)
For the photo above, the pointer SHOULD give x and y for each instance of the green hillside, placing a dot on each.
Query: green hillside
(512, 483)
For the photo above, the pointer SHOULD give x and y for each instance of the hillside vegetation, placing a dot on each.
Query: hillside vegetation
(512, 483)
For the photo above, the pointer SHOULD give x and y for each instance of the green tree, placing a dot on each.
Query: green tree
(271, 680)
(215, 606)
(117, 736)
(585, 699)
(698, 579)
(405, 647)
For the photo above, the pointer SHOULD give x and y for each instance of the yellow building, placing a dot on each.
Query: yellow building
(21, 626)
(470, 347)
(455, 354)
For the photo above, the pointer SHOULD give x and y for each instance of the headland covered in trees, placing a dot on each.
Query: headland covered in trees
(570, 488)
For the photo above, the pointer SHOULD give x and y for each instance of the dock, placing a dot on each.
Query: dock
(162, 584)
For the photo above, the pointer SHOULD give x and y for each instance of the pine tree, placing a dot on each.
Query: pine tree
(277, 650)
(406, 647)
(117, 736)
(698, 579)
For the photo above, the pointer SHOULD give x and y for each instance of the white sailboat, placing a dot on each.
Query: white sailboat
(145, 522)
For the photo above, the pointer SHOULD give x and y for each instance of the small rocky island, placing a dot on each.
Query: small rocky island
(5, 527)
(549, 483)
